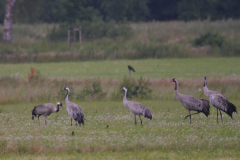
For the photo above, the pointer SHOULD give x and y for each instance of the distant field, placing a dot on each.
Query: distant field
(223, 76)
(168, 135)
(148, 68)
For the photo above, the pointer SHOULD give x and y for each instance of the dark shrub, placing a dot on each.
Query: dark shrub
(209, 39)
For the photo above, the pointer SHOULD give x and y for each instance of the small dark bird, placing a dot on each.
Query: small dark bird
(107, 126)
(72, 133)
(131, 68)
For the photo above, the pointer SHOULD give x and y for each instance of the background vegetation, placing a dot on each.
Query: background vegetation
(48, 42)
(27, 11)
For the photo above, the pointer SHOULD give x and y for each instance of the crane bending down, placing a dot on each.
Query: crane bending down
(136, 108)
(219, 101)
(192, 103)
(73, 110)
(45, 110)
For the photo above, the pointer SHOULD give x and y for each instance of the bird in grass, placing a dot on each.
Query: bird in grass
(192, 103)
(218, 101)
(130, 68)
(73, 110)
(73, 133)
(45, 110)
(136, 108)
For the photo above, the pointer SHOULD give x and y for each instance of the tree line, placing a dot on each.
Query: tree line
(57, 11)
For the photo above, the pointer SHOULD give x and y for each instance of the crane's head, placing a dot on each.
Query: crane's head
(60, 104)
(67, 89)
(173, 80)
(205, 78)
(125, 89)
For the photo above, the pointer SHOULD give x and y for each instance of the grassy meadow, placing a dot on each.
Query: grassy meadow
(167, 136)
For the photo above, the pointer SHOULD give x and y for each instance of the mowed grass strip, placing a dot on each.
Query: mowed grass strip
(168, 131)
(116, 69)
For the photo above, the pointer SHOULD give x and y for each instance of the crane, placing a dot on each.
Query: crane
(73, 110)
(45, 110)
(136, 108)
(218, 101)
(192, 103)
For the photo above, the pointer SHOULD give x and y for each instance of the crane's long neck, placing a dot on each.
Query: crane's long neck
(205, 89)
(176, 92)
(66, 97)
(57, 108)
(125, 98)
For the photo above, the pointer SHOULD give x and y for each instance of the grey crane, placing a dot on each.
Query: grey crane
(130, 68)
(192, 103)
(218, 101)
(73, 110)
(45, 110)
(136, 108)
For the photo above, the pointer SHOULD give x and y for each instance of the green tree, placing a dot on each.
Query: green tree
(119, 10)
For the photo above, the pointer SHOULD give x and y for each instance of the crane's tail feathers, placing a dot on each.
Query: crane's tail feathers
(206, 107)
(80, 118)
(34, 112)
(231, 108)
(148, 114)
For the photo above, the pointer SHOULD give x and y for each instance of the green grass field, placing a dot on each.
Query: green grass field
(167, 136)
(150, 68)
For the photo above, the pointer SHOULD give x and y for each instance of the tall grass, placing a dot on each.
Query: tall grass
(17, 90)
(148, 40)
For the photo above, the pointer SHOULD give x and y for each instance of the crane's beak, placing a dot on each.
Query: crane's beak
(62, 107)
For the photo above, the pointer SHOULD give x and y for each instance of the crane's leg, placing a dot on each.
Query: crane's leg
(71, 121)
(221, 115)
(190, 115)
(217, 115)
(45, 120)
(135, 119)
(140, 119)
(38, 121)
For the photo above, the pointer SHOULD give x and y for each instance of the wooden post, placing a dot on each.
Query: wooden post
(80, 35)
(68, 35)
